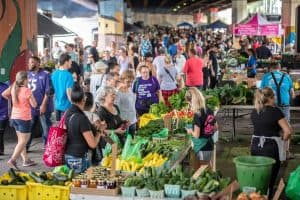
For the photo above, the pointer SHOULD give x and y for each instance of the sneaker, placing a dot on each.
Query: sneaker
(12, 164)
(29, 163)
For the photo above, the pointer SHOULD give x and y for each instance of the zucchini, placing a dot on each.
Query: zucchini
(43, 175)
(12, 173)
(35, 177)
(4, 182)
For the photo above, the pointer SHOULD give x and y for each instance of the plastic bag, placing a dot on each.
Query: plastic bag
(127, 147)
(63, 169)
(292, 189)
(108, 149)
(132, 151)
(162, 134)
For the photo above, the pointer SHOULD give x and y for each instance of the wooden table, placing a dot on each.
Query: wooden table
(235, 108)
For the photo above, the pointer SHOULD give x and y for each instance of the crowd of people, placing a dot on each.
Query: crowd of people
(103, 93)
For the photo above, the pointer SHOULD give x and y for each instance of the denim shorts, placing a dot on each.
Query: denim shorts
(22, 126)
(77, 163)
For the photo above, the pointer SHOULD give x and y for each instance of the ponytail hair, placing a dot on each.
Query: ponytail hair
(21, 77)
(262, 97)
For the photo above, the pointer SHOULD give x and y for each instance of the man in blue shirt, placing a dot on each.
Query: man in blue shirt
(282, 86)
(62, 81)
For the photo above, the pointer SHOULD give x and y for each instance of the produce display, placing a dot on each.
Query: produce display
(177, 101)
(177, 181)
(149, 154)
(14, 178)
(233, 95)
(158, 109)
(252, 196)
(60, 176)
(154, 126)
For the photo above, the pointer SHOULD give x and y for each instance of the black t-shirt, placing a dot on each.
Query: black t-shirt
(77, 123)
(266, 122)
(112, 121)
(199, 120)
(263, 52)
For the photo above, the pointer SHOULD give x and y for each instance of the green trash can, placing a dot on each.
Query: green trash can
(254, 171)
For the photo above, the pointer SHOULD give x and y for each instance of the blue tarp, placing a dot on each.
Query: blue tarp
(217, 25)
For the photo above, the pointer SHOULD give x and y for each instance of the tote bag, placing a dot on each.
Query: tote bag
(55, 146)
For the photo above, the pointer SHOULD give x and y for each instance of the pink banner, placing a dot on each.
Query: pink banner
(262, 30)
(245, 29)
(269, 30)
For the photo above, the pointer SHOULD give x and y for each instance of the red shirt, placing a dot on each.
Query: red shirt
(193, 70)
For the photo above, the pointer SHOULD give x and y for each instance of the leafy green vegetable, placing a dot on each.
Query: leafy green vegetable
(177, 101)
(158, 109)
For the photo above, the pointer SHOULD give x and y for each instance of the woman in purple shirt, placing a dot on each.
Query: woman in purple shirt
(147, 91)
(3, 115)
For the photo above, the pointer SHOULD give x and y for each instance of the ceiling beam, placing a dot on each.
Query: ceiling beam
(162, 3)
(216, 4)
(129, 3)
(206, 6)
(192, 5)
(146, 3)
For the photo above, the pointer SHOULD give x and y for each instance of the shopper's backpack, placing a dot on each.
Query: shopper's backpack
(209, 124)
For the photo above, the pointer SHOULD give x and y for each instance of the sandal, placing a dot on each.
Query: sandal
(29, 163)
(12, 164)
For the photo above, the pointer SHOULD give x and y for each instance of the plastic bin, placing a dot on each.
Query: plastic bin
(128, 191)
(157, 194)
(37, 191)
(142, 193)
(172, 191)
(13, 192)
(254, 171)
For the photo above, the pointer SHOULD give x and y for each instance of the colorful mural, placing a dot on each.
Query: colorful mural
(18, 24)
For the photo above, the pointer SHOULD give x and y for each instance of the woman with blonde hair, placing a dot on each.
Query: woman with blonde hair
(168, 78)
(125, 100)
(204, 124)
(269, 122)
(22, 101)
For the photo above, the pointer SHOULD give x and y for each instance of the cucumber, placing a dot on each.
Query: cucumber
(35, 177)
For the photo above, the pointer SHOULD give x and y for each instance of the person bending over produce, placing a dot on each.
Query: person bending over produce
(268, 122)
(81, 134)
(204, 125)
(110, 113)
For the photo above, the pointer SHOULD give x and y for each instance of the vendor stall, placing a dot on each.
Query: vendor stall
(258, 26)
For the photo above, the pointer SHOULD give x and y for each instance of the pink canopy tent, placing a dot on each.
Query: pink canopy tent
(258, 26)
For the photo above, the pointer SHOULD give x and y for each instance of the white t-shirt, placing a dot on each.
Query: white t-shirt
(95, 83)
(180, 61)
(159, 63)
